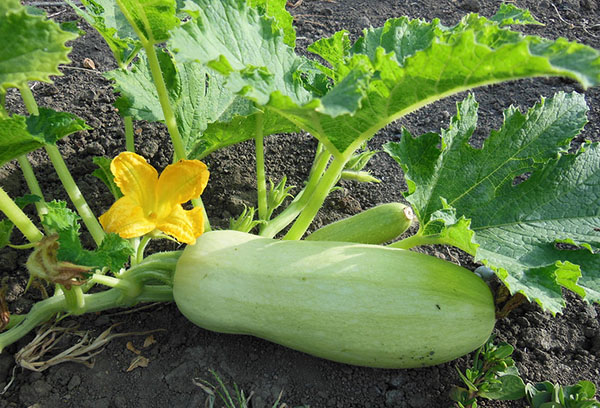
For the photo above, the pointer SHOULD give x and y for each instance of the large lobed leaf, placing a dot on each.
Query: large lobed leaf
(387, 73)
(518, 225)
(33, 47)
(196, 94)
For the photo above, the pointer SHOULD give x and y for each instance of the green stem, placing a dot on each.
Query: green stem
(29, 100)
(170, 120)
(163, 97)
(327, 182)
(261, 182)
(65, 177)
(139, 256)
(132, 287)
(129, 288)
(33, 184)
(74, 299)
(86, 214)
(44, 310)
(14, 320)
(19, 218)
(274, 226)
(129, 138)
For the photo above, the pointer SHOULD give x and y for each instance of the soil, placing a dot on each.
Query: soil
(563, 349)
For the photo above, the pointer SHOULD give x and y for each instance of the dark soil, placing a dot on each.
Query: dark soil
(562, 349)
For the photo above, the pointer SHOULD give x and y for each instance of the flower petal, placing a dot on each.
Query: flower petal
(179, 183)
(185, 226)
(136, 178)
(127, 219)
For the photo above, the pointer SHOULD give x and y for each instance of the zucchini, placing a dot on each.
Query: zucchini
(376, 225)
(352, 303)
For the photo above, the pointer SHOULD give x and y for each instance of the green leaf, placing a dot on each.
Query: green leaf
(283, 19)
(151, 19)
(104, 173)
(244, 51)
(197, 96)
(53, 126)
(113, 252)
(242, 48)
(33, 47)
(20, 135)
(517, 225)
(509, 14)
(511, 387)
(106, 17)
(388, 73)
(238, 129)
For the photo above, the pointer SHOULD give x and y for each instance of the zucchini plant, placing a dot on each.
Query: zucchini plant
(345, 292)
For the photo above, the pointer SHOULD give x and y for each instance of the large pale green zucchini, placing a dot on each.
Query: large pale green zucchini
(353, 303)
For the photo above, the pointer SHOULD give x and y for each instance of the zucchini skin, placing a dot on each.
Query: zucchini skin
(376, 225)
(352, 303)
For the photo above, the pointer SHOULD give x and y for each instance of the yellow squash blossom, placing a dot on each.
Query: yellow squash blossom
(151, 203)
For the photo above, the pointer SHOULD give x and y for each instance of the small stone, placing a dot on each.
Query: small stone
(120, 402)
(179, 379)
(469, 5)
(41, 388)
(395, 398)
(94, 149)
(74, 382)
(364, 22)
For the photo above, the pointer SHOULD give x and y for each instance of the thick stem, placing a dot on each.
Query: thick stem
(86, 214)
(330, 178)
(170, 120)
(74, 299)
(65, 177)
(261, 182)
(158, 267)
(19, 218)
(113, 298)
(139, 256)
(129, 138)
(163, 97)
(129, 288)
(272, 227)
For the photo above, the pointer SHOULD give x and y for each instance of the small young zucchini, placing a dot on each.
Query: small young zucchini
(353, 303)
(376, 225)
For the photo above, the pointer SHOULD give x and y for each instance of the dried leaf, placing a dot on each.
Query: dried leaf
(139, 361)
(43, 263)
(148, 341)
(132, 348)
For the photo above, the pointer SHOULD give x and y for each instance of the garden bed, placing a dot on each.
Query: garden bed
(563, 349)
